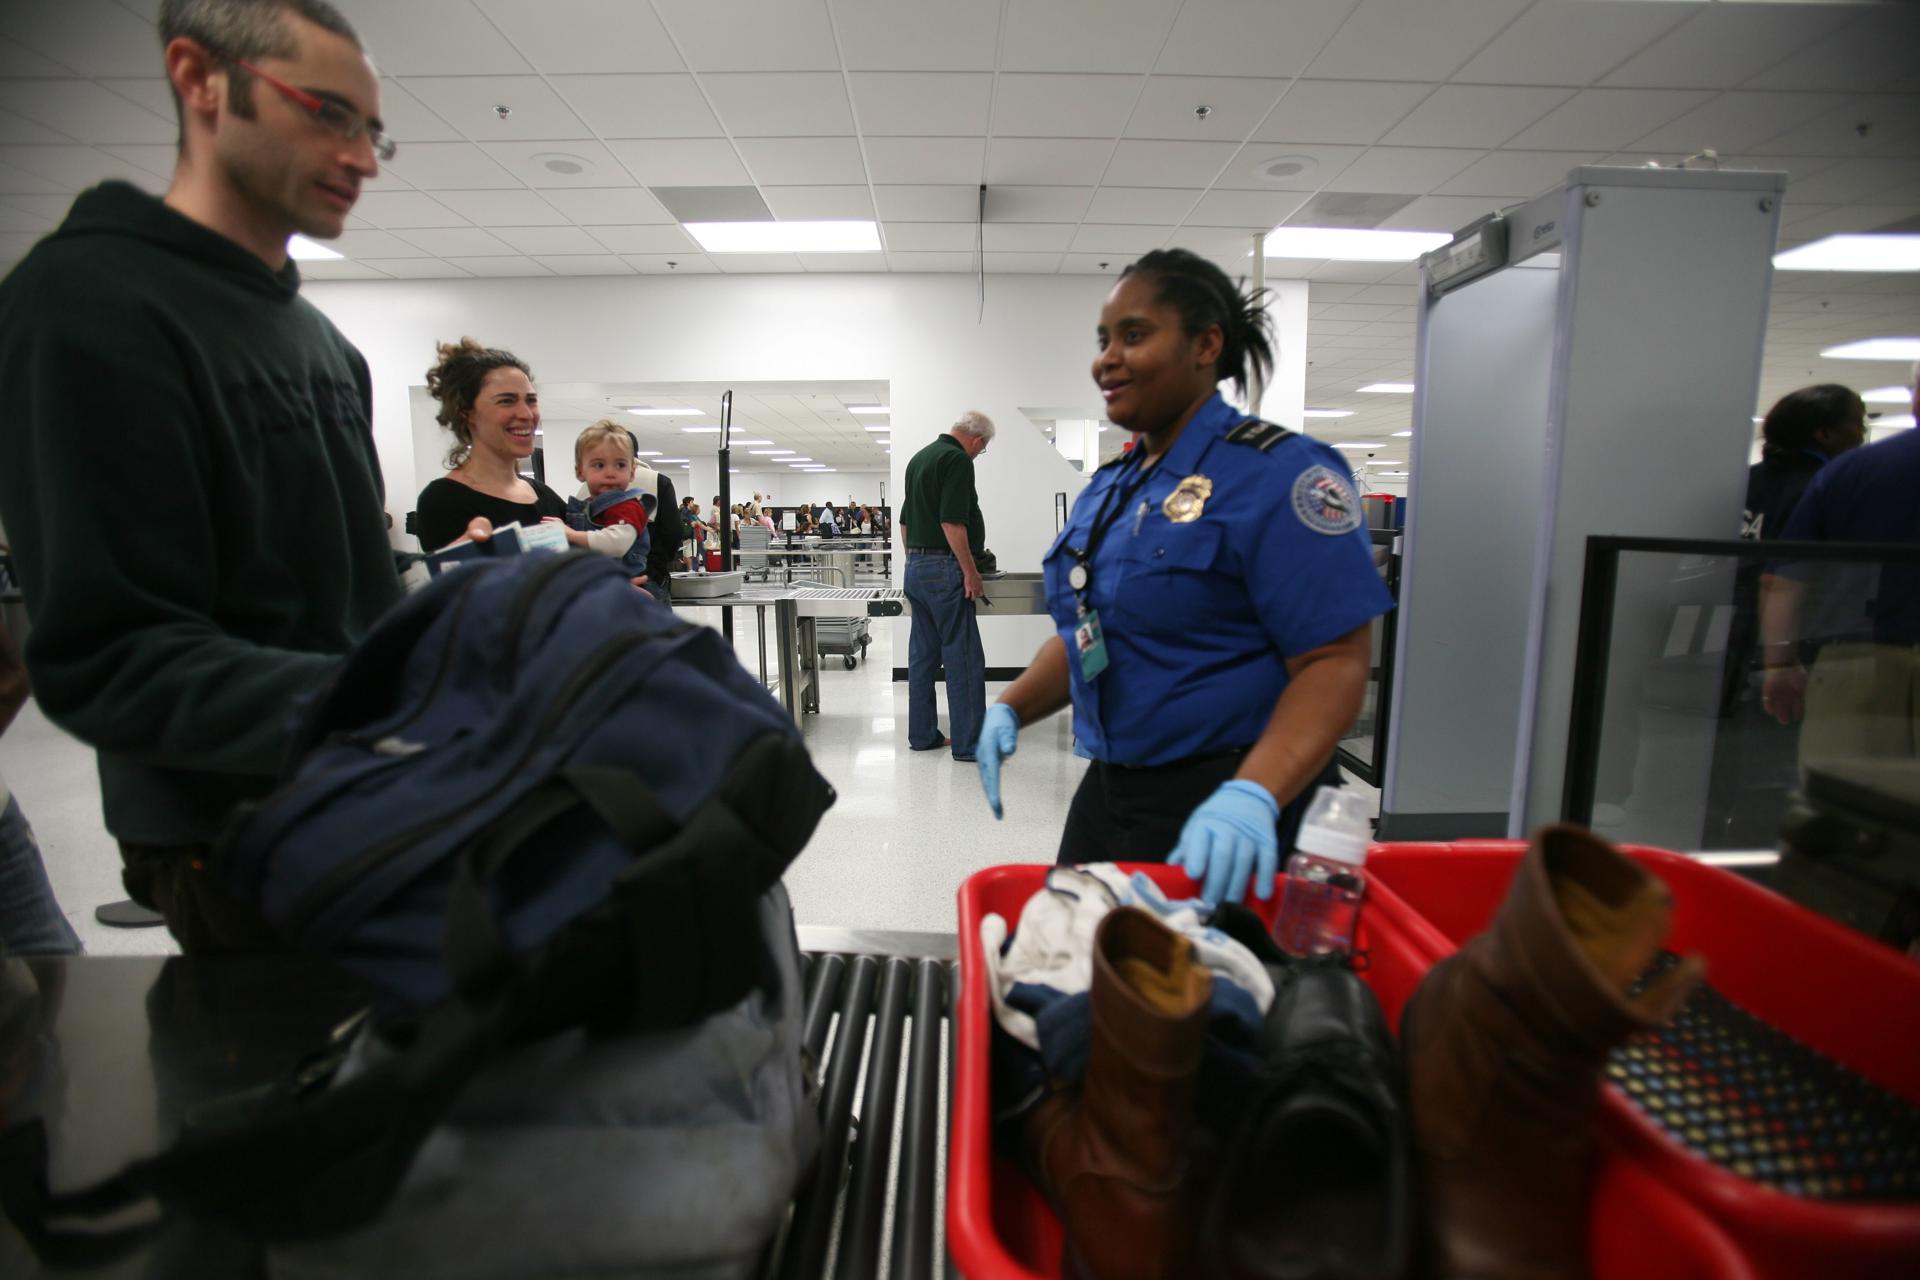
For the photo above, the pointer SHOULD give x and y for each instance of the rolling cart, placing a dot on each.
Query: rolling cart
(848, 637)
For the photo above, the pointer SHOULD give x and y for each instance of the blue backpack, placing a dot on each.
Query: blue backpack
(491, 816)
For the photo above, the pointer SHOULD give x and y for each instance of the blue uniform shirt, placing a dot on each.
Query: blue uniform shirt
(1200, 617)
(1870, 494)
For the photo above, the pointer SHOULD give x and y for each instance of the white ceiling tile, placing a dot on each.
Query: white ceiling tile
(84, 112)
(604, 206)
(1859, 181)
(19, 63)
(640, 106)
(829, 263)
(20, 131)
(1084, 35)
(751, 35)
(1515, 175)
(681, 162)
(468, 104)
(1049, 161)
(1570, 43)
(399, 209)
(91, 37)
(585, 264)
(1440, 213)
(803, 161)
(1092, 264)
(1407, 170)
(931, 261)
(374, 244)
(449, 166)
(756, 263)
(409, 121)
(1107, 238)
(16, 221)
(329, 269)
(1875, 51)
(645, 239)
(509, 266)
(1853, 218)
(63, 170)
(809, 203)
(51, 209)
(1023, 263)
(1140, 204)
(1062, 106)
(585, 35)
(548, 240)
(1473, 115)
(151, 92)
(661, 264)
(1392, 40)
(1893, 129)
(783, 104)
(903, 161)
(890, 103)
(885, 35)
(419, 269)
(1737, 121)
(1138, 163)
(457, 242)
(1339, 111)
(576, 163)
(1249, 37)
(1724, 44)
(431, 38)
(1234, 106)
(1037, 203)
(1309, 166)
(930, 236)
(150, 157)
(1028, 237)
(928, 204)
(1607, 119)
(502, 208)
(1248, 210)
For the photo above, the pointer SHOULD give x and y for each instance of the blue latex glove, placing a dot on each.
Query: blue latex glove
(1230, 836)
(997, 734)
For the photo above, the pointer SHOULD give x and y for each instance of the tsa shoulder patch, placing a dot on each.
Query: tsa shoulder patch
(1325, 502)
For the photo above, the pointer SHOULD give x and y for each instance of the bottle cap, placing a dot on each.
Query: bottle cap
(1336, 826)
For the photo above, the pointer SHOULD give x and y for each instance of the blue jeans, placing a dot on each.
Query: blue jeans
(31, 922)
(945, 633)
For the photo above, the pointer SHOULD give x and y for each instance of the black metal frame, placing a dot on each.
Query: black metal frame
(1372, 771)
(1599, 584)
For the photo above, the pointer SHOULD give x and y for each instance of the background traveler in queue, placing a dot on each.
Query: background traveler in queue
(1214, 593)
(487, 400)
(177, 641)
(944, 533)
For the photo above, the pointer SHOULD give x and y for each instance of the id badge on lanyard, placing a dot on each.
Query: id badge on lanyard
(1091, 645)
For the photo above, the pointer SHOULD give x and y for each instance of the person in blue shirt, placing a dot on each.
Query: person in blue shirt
(1214, 593)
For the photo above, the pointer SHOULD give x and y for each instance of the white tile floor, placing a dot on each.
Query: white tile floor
(907, 829)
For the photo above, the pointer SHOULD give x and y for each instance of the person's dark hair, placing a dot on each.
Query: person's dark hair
(455, 383)
(245, 31)
(1799, 416)
(1203, 295)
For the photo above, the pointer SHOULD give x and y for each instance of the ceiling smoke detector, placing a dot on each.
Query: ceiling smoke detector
(561, 163)
(1281, 168)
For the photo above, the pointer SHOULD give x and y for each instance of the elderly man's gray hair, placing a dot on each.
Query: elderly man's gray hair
(974, 423)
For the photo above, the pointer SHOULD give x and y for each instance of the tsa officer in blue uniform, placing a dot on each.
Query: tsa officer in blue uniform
(1214, 593)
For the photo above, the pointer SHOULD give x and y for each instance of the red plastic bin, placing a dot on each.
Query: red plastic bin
(1000, 1228)
(1827, 986)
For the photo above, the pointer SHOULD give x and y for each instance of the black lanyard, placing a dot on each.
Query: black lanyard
(1102, 521)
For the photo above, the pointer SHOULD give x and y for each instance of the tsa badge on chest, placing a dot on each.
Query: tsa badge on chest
(1188, 500)
(1324, 502)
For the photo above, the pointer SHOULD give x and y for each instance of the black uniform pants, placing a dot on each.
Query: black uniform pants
(1126, 814)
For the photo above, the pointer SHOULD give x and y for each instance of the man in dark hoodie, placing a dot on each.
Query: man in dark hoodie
(166, 340)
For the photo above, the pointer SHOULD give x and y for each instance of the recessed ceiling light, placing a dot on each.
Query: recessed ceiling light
(643, 411)
(1853, 253)
(1402, 435)
(1887, 395)
(302, 249)
(1389, 388)
(1875, 349)
(1345, 244)
(882, 427)
(1318, 413)
(1359, 444)
(786, 237)
(868, 408)
(1280, 168)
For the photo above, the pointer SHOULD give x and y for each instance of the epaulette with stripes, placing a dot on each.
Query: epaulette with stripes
(1259, 433)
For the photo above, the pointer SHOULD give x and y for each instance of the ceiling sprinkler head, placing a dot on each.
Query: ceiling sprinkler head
(671, 264)
(1202, 111)
(502, 110)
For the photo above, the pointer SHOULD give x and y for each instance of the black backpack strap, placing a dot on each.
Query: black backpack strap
(1259, 433)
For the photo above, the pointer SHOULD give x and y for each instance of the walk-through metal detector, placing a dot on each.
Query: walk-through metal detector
(1587, 364)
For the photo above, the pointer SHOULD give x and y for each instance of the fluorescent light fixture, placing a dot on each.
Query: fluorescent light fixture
(768, 453)
(883, 427)
(1887, 395)
(301, 249)
(1345, 244)
(1875, 349)
(1388, 388)
(1401, 435)
(794, 462)
(733, 471)
(642, 411)
(868, 408)
(647, 453)
(1892, 421)
(1390, 462)
(665, 460)
(1899, 252)
(1392, 473)
(1359, 444)
(817, 470)
(735, 444)
(786, 237)
(1318, 413)
(539, 431)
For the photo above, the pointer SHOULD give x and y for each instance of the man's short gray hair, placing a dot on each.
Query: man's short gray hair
(974, 423)
(246, 31)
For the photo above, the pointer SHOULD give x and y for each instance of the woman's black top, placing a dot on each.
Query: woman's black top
(446, 506)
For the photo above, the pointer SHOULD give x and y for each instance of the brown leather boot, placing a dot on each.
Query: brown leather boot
(1505, 1041)
(1112, 1156)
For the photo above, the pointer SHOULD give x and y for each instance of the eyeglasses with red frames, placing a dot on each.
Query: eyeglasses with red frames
(347, 123)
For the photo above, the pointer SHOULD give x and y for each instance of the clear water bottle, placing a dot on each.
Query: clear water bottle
(1325, 877)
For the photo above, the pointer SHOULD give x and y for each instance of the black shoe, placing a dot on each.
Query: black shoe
(127, 914)
(960, 759)
(939, 741)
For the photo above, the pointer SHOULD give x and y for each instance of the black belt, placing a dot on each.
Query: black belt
(1183, 762)
(929, 551)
